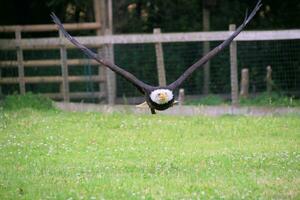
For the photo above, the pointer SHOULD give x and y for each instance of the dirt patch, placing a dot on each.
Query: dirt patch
(181, 110)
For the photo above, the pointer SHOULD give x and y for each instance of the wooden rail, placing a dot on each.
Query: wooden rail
(76, 95)
(47, 63)
(98, 41)
(50, 79)
(50, 27)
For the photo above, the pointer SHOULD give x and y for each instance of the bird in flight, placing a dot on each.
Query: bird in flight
(157, 97)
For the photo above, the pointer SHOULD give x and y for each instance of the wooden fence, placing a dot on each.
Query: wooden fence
(64, 62)
(19, 45)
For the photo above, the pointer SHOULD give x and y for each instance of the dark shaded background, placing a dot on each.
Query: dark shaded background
(144, 15)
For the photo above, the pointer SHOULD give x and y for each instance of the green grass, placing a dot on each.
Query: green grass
(29, 100)
(50, 154)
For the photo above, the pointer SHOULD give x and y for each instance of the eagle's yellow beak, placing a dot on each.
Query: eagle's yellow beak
(163, 98)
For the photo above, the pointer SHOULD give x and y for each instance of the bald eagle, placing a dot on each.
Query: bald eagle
(157, 98)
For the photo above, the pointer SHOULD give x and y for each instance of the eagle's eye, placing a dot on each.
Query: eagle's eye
(162, 94)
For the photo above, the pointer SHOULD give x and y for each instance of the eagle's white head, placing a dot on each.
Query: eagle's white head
(161, 96)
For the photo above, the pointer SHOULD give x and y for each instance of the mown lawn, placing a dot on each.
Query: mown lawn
(58, 155)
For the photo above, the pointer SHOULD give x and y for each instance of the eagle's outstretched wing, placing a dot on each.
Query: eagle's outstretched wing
(128, 76)
(215, 51)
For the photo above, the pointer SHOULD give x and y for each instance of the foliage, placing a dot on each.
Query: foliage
(273, 99)
(181, 15)
(207, 100)
(263, 99)
(59, 155)
(144, 15)
(29, 100)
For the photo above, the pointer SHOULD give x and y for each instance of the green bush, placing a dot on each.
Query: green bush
(264, 99)
(273, 99)
(29, 100)
(207, 100)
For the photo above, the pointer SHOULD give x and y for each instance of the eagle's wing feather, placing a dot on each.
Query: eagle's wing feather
(128, 76)
(215, 51)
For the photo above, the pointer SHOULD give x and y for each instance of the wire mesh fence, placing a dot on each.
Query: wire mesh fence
(283, 56)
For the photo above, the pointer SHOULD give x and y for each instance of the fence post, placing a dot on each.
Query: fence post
(269, 79)
(181, 97)
(206, 48)
(233, 70)
(245, 83)
(110, 14)
(100, 17)
(110, 75)
(160, 61)
(20, 61)
(64, 69)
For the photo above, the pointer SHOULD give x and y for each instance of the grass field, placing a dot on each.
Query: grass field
(50, 154)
